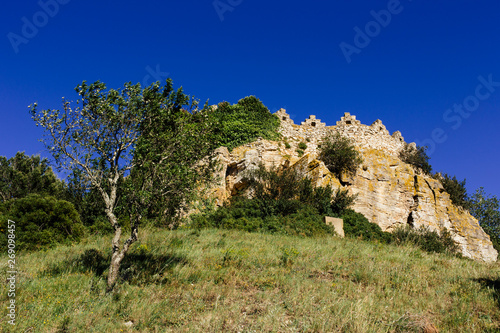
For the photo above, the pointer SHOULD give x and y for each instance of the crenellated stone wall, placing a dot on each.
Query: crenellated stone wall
(375, 136)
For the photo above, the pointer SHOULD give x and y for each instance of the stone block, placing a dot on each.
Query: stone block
(337, 223)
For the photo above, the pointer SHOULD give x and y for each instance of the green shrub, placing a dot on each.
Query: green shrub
(427, 240)
(456, 190)
(339, 155)
(244, 122)
(302, 145)
(300, 152)
(417, 157)
(277, 189)
(287, 145)
(357, 225)
(41, 221)
(301, 220)
(282, 202)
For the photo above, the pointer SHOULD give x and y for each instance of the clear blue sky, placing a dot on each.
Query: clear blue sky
(409, 69)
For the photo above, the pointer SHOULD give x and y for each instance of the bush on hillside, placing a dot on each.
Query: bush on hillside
(339, 155)
(245, 215)
(357, 225)
(41, 221)
(282, 201)
(427, 240)
(417, 157)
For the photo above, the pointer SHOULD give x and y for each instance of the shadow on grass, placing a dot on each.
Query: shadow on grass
(493, 285)
(136, 268)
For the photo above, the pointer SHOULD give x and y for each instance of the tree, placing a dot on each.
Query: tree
(339, 155)
(456, 189)
(173, 156)
(22, 175)
(417, 157)
(41, 221)
(486, 208)
(99, 138)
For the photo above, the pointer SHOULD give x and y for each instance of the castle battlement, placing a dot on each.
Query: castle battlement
(374, 136)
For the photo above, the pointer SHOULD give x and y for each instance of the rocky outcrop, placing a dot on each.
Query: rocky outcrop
(389, 192)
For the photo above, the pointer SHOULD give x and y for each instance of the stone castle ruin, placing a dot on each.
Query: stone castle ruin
(375, 136)
(389, 192)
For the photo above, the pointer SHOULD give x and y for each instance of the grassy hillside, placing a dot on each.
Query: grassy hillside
(216, 281)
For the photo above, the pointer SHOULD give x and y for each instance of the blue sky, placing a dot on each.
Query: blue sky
(426, 68)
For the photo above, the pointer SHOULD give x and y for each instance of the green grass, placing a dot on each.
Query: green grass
(233, 281)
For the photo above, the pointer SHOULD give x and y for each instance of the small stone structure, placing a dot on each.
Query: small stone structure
(338, 225)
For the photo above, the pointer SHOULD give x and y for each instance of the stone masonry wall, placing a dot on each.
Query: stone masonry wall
(365, 137)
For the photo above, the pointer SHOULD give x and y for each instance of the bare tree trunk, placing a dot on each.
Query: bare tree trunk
(117, 253)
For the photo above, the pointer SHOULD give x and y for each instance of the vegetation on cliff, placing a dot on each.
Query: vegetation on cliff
(339, 155)
(282, 201)
(417, 157)
(243, 122)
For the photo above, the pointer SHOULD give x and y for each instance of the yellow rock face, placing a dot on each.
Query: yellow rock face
(389, 192)
(392, 194)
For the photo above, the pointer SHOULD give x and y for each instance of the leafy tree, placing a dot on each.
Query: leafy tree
(417, 157)
(339, 155)
(244, 122)
(22, 175)
(41, 221)
(98, 138)
(456, 189)
(486, 208)
(173, 155)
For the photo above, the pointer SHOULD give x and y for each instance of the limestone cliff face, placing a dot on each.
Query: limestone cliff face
(389, 192)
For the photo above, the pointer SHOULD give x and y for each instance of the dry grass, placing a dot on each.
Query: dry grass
(230, 281)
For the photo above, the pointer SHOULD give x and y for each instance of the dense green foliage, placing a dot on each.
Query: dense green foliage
(245, 214)
(244, 122)
(486, 208)
(456, 189)
(427, 240)
(40, 221)
(282, 201)
(417, 157)
(22, 175)
(171, 159)
(339, 155)
(357, 225)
